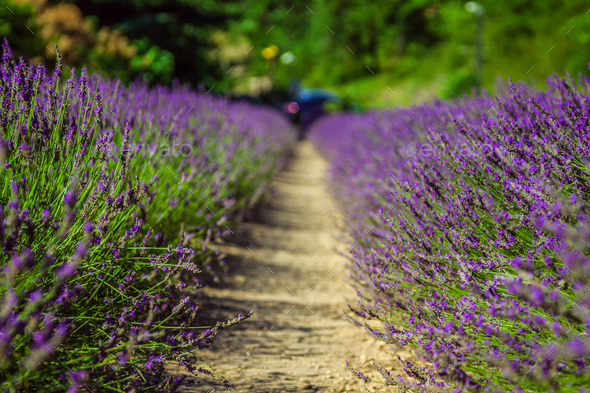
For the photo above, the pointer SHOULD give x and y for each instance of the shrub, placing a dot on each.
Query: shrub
(111, 201)
(471, 236)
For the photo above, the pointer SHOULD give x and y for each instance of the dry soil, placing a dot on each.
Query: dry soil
(289, 272)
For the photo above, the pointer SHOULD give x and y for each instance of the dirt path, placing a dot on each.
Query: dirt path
(291, 275)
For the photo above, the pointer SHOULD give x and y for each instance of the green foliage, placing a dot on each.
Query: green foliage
(172, 36)
(423, 45)
(459, 82)
(418, 42)
(155, 64)
(15, 22)
(159, 39)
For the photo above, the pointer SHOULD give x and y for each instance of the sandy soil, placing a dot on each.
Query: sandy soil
(289, 273)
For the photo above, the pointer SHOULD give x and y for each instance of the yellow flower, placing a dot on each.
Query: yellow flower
(270, 52)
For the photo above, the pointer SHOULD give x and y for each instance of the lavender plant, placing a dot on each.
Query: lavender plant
(112, 199)
(470, 221)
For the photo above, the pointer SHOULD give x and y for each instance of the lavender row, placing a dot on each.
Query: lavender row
(471, 233)
(112, 201)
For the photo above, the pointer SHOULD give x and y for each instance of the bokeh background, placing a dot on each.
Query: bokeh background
(375, 53)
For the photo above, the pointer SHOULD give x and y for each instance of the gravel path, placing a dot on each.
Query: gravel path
(289, 272)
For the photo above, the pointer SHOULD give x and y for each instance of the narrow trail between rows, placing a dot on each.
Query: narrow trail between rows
(289, 273)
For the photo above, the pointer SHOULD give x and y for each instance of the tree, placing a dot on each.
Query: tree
(179, 27)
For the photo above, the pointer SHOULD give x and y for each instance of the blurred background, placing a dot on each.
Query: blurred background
(366, 53)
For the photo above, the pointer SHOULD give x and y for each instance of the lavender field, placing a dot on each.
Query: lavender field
(201, 196)
(112, 201)
(469, 236)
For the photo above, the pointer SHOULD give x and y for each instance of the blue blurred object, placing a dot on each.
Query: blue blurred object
(307, 106)
(317, 94)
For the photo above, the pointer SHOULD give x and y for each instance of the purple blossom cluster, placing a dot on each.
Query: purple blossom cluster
(474, 251)
(105, 244)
